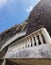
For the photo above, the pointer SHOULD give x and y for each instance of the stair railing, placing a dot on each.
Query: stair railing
(36, 38)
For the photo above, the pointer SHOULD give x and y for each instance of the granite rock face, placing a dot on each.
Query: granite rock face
(40, 17)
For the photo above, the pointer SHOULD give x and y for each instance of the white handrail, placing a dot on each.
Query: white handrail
(46, 36)
(33, 40)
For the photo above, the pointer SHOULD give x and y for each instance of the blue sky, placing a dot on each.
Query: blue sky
(14, 12)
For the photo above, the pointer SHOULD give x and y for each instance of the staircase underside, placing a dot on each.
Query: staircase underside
(27, 61)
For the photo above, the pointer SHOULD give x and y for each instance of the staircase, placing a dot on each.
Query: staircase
(35, 39)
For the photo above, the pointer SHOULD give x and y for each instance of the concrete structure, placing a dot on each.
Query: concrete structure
(36, 39)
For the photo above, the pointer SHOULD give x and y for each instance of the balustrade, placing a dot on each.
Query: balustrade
(34, 39)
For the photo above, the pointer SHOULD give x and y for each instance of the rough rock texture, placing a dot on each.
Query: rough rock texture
(40, 51)
(40, 17)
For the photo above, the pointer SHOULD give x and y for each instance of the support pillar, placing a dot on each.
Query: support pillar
(40, 38)
(36, 39)
(29, 42)
(32, 40)
(4, 62)
(46, 36)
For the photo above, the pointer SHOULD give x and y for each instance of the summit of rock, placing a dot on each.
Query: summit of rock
(40, 17)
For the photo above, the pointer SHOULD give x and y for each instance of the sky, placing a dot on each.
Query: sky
(14, 12)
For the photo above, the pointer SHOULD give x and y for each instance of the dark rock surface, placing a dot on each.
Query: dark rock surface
(40, 17)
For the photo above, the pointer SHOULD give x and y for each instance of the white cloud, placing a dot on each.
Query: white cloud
(29, 9)
(2, 2)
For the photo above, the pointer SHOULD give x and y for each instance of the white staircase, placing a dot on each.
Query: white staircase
(36, 38)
